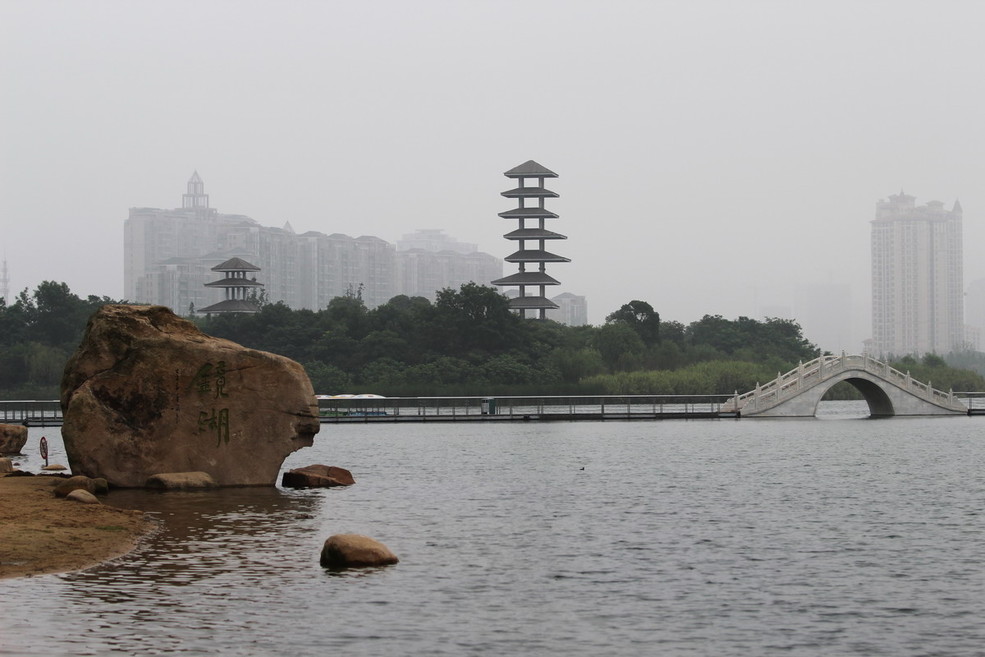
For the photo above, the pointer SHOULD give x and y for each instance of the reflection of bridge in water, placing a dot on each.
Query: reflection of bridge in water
(887, 391)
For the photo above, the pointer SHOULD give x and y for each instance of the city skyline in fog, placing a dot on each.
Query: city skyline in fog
(713, 157)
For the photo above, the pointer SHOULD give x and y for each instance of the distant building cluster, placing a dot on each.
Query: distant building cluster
(917, 278)
(169, 256)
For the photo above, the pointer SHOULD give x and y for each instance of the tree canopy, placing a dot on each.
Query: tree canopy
(467, 342)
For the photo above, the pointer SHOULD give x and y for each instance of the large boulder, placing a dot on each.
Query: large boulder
(13, 437)
(355, 551)
(317, 476)
(147, 392)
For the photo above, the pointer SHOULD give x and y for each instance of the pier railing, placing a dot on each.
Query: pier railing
(603, 407)
(38, 412)
(506, 407)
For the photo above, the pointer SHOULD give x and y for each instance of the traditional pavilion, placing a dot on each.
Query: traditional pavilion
(532, 257)
(238, 287)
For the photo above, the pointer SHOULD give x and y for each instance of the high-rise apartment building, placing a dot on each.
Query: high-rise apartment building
(917, 278)
(572, 309)
(169, 256)
(429, 260)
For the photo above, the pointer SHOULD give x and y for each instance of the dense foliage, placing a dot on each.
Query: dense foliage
(467, 342)
(38, 333)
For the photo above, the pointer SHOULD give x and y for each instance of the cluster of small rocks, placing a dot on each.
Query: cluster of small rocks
(81, 489)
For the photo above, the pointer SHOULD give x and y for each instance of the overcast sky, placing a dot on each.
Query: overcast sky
(714, 157)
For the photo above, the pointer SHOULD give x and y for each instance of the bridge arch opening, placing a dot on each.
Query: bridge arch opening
(875, 397)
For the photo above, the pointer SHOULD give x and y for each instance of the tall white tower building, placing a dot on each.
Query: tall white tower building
(917, 277)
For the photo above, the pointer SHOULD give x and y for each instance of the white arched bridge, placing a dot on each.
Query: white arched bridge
(887, 390)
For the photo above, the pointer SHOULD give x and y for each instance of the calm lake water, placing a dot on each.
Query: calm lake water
(834, 536)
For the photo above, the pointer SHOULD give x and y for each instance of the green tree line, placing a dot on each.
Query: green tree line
(466, 342)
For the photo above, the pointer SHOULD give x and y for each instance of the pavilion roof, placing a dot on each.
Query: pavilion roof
(531, 303)
(230, 306)
(235, 264)
(234, 282)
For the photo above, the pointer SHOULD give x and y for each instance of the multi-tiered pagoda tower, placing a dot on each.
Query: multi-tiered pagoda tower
(532, 258)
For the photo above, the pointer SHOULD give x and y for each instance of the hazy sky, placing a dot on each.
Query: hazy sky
(714, 157)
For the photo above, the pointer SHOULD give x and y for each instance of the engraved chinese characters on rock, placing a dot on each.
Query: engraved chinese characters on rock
(210, 384)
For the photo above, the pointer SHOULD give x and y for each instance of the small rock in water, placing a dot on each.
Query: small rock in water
(54, 467)
(355, 551)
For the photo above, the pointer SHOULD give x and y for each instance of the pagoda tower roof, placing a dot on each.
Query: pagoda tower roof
(535, 255)
(531, 303)
(528, 213)
(534, 234)
(527, 278)
(530, 192)
(530, 169)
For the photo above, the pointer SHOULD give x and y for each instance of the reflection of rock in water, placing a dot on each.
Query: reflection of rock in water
(147, 392)
(206, 536)
(317, 476)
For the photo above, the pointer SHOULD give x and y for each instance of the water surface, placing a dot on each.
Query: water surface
(753, 537)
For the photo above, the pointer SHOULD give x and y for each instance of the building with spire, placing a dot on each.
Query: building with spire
(917, 278)
(531, 235)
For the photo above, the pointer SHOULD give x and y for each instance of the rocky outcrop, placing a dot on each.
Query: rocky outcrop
(6, 465)
(354, 551)
(181, 481)
(147, 392)
(13, 437)
(317, 476)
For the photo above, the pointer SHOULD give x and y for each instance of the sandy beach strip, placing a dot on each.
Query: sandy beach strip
(41, 533)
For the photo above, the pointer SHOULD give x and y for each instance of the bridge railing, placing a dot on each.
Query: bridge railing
(809, 374)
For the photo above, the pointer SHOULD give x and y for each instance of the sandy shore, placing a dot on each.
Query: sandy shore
(40, 533)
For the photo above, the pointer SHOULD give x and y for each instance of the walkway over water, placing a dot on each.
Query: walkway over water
(887, 390)
(525, 408)
(461, 409)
